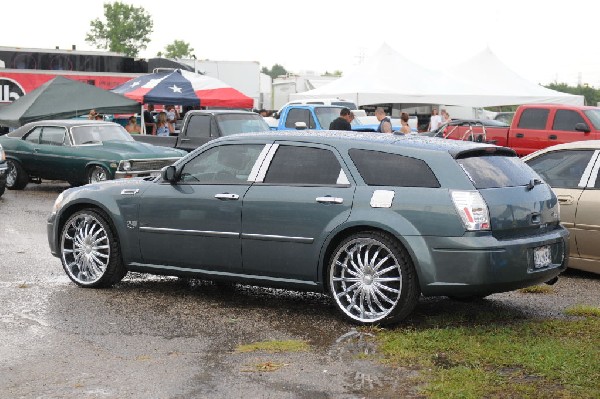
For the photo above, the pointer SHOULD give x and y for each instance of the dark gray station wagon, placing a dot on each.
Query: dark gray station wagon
(375, 220)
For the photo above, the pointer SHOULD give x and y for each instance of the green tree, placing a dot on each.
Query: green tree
(337, 72)
(178, 49)
(275, 71)
(126, 29)
(591, 95)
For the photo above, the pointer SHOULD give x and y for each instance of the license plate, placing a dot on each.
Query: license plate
(542, 256)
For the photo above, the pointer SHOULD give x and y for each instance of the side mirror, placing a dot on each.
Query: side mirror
(276, 115)
(169, 174)
(582, 127)
(300, 125)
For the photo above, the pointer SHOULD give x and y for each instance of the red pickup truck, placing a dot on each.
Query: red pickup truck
(535, 126)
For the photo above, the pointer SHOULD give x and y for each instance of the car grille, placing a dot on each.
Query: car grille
(151, 164)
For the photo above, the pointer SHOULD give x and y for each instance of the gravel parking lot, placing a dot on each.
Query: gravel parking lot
(164, 337)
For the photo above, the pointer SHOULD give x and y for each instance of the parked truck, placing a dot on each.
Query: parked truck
(535, 126)
(200, 127)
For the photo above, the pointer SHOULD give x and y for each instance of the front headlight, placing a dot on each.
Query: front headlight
(58, 203)
(125, 166)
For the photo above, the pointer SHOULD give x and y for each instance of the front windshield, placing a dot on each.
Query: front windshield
(326, 115)
(594, 117)
(241, 123)
(96, 134)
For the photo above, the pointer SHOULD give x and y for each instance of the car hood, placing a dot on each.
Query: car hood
(137, 150)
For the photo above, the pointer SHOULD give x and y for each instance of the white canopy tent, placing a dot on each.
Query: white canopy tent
(388, 77)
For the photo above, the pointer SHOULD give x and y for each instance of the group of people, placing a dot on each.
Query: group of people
(343, 122)
(95, 116)
(437, 120)
(164, 124)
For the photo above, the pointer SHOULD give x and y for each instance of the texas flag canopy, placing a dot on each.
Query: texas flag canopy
(183, 88)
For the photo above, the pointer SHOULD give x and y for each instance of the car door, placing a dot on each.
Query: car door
(25, 152)
(567, 172)
(301, 194)
(563, 128)
(196, 222)
(198, 131)
(587, 219)
(54, 154)
(531, 132)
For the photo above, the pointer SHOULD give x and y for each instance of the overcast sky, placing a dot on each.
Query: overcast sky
(543, 41)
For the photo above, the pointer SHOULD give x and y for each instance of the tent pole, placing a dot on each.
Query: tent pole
(143, 125)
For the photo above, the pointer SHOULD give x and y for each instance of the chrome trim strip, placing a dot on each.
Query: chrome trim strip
(329, 200)
(225, 274)
(269, 237)
(207, 233)
(259, 161)
(594, 174)
(585, 177)
(266, 163)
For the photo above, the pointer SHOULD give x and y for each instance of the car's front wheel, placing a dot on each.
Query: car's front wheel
(17, 178)
(372, 279)
(90, 251)
(97, 174)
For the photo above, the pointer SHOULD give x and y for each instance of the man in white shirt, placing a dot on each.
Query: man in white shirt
(436, 120)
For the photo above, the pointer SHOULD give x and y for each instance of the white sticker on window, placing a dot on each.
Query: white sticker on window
(382, 199)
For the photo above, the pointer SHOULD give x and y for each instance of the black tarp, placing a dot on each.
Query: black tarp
(62, 98)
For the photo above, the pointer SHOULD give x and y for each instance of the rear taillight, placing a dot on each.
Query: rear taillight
(472, 210)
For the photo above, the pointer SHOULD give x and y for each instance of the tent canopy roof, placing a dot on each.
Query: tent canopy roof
(388, 77)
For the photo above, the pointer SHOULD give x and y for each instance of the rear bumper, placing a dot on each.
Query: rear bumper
(482, 265)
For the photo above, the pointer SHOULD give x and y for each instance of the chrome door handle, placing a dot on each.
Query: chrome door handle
(330, 200)
(130, 191)
(565, 199)
(184, 139)
(227, 197)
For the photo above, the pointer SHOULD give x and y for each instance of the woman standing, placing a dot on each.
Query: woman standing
(405, 129)
(163, 127)
(132, 127)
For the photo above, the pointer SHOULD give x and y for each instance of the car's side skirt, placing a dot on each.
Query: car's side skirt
(221, 275)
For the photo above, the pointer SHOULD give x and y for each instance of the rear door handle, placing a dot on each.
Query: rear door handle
(184, 139)
(227, 197)
(519, 135)
(565, 199)
(552, 137)
(330, 200)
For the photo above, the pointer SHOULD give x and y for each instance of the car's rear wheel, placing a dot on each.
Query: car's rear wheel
(372, 279)
(17, 178)
(97, 174)
(90, 251)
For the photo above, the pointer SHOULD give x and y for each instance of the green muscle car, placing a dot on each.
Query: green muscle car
(79, 152)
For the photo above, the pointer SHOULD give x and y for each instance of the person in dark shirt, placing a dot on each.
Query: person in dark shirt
(149, 120)
(343, 121)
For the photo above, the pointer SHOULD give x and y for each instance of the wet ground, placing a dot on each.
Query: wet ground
(162, 337)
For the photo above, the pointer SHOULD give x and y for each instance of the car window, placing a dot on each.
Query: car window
(225, 164)
(198, 126)
(53, 135)
(96, 134)
(326, 115)
(562, 169)
(34, 136)
(497, 171)
(304, 165)
(533, 118)
(566, 119)
(299, 115)
(594, 116)
(385, 169)
(241, 123)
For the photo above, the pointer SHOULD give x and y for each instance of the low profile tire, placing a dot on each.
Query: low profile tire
(372, 279)
(16, 178)
(97, 174)
(90, 252)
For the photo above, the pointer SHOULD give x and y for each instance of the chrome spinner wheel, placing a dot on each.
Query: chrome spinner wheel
(365, 278)
(85, 248)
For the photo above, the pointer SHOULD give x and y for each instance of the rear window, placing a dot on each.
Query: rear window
(385, 169)
(497, 171)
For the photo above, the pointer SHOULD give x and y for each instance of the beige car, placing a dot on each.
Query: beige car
(571, 170)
